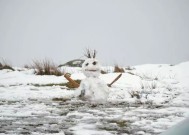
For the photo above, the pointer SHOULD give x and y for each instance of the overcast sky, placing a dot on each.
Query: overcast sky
(124, 32)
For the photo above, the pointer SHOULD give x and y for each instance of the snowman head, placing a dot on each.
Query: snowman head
(91, 66)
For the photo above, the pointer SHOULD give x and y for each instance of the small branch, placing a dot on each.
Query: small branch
(75, 84)
(109, 85)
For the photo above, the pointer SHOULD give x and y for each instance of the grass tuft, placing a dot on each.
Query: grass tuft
(135, 94)
(129, 68)
(46, 67)
(118, 69)
(4, 65)
(103, 72)
(148, 85)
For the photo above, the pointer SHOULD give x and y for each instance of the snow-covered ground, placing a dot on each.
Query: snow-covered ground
(146, 100)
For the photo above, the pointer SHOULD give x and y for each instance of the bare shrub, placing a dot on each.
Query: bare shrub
(103, 72)
(46, 67)
(27, 66)
(153, 85)
(135, 94)
(118, 69)
(129, 68)
(4, 65)
(142, 85)
(148, 85)
(172, 76)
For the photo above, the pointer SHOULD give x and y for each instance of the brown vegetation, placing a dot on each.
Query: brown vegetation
(118, 69)
(5, 65)
(46, 67)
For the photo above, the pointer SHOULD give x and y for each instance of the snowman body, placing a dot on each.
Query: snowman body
(92, 87)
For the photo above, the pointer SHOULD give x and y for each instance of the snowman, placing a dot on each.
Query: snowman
(92, 88)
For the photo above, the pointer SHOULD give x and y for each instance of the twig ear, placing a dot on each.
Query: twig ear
(90, 54)
(87, 53)
(94, 54)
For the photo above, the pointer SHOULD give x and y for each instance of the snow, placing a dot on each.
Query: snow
(148, 99)
(23, 78)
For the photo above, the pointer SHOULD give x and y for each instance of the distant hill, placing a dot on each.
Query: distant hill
(73, 63)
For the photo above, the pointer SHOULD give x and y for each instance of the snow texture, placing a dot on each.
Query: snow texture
(146, 100)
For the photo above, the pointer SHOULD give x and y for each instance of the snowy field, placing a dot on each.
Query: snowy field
(146, 100)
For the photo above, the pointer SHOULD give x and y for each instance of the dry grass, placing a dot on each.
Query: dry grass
(148, 85)
(4, 65)
(103, 72)
(46, 67)
(135, 94)
(27, 66)
(118, 69)
(129, 68)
